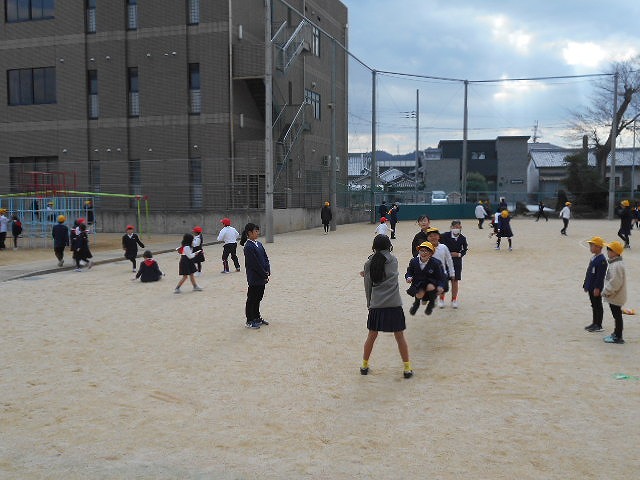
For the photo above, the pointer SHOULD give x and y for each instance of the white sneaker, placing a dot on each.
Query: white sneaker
(454, 304)
(440, 303)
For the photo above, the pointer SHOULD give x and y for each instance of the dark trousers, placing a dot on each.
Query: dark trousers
(596, 308)
(542, 214)
(254, 297)
(393, 228)
(480, 222)
(3, 236)
(59, 252)
(326, 227)
(15, 241)
(230, 249)
(616, 311)
(624, 236)
(565, 221)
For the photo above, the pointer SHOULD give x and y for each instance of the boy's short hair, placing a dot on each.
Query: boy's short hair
(147, 254)
(455, 222)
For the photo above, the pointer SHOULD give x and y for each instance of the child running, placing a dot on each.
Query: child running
(442, 253)
(130, 242)
(197, 249)
(186, 267)
(80, 247)
(615, 289)
(426, 276)
(456, 242)
(504, 228)
(383, 301)
(383, 228)
(228, 236)
(149, 270)
(258, 270)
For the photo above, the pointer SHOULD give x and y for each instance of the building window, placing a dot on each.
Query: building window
(193, 11)
(32, 86)
(195, 103)
(26, 10)
(313, 98)
(315, 41)
(94, 175)
(92, 80)
(132, 14)
(134, 95)
(91, 16)
(135, 180)
(195, 182)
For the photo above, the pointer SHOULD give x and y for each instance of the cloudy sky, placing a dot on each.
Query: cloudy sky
(480, 40)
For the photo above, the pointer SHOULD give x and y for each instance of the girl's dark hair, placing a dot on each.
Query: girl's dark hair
(422, 217)
(376, 267)
(249, 227)
(187, 239)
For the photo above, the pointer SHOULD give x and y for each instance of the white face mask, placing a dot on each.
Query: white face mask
(455, 231)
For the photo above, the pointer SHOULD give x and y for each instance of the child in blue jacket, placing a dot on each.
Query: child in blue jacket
(594, 282)
(426, 276)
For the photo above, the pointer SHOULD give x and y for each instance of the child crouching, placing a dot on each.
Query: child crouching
(149, 270)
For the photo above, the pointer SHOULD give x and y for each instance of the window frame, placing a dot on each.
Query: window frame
(16, 13)
(35, 86)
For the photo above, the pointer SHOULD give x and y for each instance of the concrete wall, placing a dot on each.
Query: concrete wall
(288, 220)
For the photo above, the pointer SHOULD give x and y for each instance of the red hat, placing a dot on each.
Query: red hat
(383, 219)
(130, 227)
(197, 229)
(81, 220)
(226, 222)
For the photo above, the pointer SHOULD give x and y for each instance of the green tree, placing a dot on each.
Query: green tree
(584, 183)
(476, 182)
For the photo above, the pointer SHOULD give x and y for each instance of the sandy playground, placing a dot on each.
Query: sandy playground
(103, 378)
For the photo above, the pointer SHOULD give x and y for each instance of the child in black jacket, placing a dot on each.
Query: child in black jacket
(130, 242)
(426, 276)
(149, 270)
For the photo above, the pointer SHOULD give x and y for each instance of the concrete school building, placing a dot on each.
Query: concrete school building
(167, 99)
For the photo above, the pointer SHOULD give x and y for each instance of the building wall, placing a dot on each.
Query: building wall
(442, 174)
(513, 158)
(166, 139)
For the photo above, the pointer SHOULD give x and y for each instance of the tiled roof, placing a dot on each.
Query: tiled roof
(555, 157)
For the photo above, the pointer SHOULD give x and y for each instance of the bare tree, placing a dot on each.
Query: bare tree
(595, 120)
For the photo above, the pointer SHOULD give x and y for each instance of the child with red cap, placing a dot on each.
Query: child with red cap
(130, 242)
(229, 237)
(196, 246)
(383, 228)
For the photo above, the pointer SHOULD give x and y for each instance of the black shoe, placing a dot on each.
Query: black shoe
(253, 325)
(414, 308)
(429, 308)
(590, 326)
(594, 328)
(262, 321)
(613, 338)
(364, 371)
(408, 373)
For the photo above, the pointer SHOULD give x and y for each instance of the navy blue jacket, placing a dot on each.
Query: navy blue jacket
(60, 235)
(256, 263)
(433, 273)
(595, 274)
(458, 245)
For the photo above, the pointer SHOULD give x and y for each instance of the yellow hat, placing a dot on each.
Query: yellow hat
(326, 204)
(427, 245)
(568, 204)
(432, 230)
(597, 241)
(624, 203)
(504, 213)
(61, 218)
(616, 247)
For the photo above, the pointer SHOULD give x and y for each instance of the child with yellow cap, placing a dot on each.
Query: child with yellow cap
(594, 283)
(626, 220)
(615, 289)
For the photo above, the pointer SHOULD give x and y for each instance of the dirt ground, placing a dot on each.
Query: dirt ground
(104, 378)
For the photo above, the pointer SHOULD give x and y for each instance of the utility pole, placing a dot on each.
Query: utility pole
(417, 139)
(268, 125)
(465, 128)
(373, 147)
(614, 134)
(633, 161)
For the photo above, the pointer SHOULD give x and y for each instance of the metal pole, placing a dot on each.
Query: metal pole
(465, 129)
(633, 161)
(332, 168)
(373, 147)
(268, 127)
(417, 140)
(614, 133)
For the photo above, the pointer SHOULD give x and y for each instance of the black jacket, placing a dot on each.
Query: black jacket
(325, 214)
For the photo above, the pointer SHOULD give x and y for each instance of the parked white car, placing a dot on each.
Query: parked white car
(438, 197)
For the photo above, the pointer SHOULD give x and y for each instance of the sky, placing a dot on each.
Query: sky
(481, 40)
